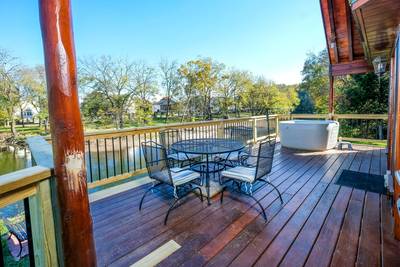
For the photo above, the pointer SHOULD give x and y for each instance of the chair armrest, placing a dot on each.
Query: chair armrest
(181, 170)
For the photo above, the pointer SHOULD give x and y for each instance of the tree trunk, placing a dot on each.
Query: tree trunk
(22, 117)
(13, 128)
(167, 113)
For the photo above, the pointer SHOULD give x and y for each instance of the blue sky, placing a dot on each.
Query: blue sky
(268, 37)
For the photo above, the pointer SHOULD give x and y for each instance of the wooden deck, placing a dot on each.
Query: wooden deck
(319, 223)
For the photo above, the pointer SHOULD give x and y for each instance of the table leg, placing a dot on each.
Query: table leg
(208, 181)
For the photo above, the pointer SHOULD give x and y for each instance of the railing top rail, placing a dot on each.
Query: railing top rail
(339, 116)
(23, 178)
(147, 129)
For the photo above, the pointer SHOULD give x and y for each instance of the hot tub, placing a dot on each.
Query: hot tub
(317, 135)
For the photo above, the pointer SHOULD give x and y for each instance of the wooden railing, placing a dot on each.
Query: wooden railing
(115, 154)
(32, 186)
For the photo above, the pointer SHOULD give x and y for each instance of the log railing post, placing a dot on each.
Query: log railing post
(331, 101)
(75, 223)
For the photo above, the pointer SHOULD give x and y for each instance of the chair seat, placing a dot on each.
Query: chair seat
(245, 174)
(181, 177)
(182, 156)
(233, 156)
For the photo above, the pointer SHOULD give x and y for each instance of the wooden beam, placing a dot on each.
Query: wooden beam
(354, 67)
(358, 4)
(67, 134)
(333, 32)
(349, 22)
(331, 101)
(359, 19)
(326, 34)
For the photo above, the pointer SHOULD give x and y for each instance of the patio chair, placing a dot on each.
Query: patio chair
(240, 133)
(251, 172)
(17, 240)
(167, 138)
(182, 181)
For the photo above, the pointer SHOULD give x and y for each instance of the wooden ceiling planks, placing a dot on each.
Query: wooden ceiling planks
(344, 40)
(378, 20)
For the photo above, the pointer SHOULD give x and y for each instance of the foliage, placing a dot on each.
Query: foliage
(95, 107)
(9, 86)
(362, 93)
(171, 82)
(306, 104)
(112, 78)
(200, 79)
(143, 111)
(33, 83)
(316, 81)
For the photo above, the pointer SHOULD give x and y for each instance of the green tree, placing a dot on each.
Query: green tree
(362, 93)
(115, 80)
(95, 107)
(316, 80)
(201, 78)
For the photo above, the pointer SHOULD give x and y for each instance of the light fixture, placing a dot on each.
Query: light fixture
(379, 65)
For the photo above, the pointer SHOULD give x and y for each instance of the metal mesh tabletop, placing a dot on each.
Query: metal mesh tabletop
(207, 146)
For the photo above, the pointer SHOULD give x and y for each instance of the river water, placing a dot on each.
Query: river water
(9, 162)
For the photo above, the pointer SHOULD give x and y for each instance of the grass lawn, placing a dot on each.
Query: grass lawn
(382, 143)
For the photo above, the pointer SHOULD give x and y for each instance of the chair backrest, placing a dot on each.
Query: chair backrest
(156, 160)
(265, 158)
(168, 137)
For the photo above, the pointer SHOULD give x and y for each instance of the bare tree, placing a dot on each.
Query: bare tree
(171, 82)
(145, 80)
(9, 87)
(33, 81)
(114, 79)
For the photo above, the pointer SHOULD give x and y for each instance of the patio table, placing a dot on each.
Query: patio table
(208, 147)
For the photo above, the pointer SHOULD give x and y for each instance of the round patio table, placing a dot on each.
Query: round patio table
(208, 147)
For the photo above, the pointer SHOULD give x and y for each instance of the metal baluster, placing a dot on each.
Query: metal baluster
(140, 154)
(29, 232)
(98, 158)
(90, 161)
(105, 151)
(134, 152)
(127, 152)
(120, 156)
(113, 151)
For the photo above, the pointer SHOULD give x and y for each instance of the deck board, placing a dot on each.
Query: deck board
(319, 223)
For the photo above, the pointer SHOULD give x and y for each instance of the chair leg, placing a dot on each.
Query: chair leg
(145, 193)
(279, 193)
(169, 210)
(222, 194)
(261, 207)
(200, 191)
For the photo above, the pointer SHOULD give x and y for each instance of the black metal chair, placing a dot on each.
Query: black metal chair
(254, 168)
(239, 133)
(167, 138)
(183, 181)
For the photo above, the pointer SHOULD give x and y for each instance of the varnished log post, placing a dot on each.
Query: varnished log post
(331, 101)
(67, 133)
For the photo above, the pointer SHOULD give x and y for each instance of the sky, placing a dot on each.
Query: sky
(267, 37)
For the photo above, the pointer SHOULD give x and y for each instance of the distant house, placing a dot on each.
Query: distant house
(26, 113)
(162, 105)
